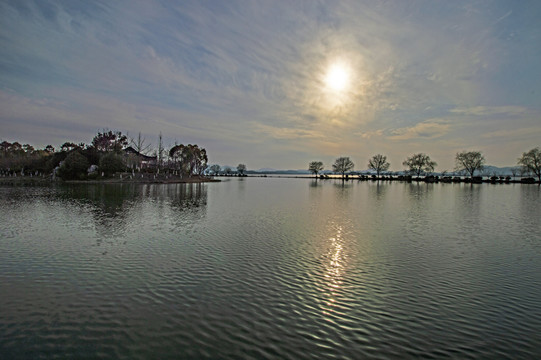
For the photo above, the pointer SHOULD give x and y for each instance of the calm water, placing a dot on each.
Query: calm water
(271, 268)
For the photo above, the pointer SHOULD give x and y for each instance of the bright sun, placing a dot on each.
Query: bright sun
(337, 77)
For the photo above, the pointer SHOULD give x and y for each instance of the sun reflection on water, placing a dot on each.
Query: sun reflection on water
(334, 269)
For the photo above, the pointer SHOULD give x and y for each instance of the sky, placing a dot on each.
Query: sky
(277, 83)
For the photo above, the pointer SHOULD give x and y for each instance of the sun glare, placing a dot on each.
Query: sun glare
(337, 77)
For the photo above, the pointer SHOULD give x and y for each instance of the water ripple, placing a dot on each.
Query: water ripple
(290, 272)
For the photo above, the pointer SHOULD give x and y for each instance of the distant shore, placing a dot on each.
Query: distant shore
(428, 179)
(129, 178)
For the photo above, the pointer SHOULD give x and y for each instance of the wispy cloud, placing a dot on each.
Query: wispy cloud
(286, 133)
(424, 130)
(430, 129)
(519, 134)
(491, 110)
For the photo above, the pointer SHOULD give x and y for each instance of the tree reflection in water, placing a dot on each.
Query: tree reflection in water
(108, 205)
(117, 208)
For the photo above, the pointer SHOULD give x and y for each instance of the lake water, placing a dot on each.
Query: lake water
(271, 268)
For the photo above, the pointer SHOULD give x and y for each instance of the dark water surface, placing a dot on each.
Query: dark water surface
(270, 268)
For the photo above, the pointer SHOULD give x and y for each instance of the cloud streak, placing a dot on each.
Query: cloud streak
(430, 129)
(491, 110)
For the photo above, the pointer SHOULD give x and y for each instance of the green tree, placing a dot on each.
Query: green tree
(28, 149)
(69, 146)
(5, 148)
(378, 163)
(315, 167)
(419, 163)
(215, 169)
(469, 161)
(111, 163)
(13, 149)
(109, 141)
(342, 165)
(531, 160)
(22, 158)
(74, 167)
(190, 159)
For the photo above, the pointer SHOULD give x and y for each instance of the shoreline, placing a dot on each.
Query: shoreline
(402, 179)
(127, 179)
(35, 180)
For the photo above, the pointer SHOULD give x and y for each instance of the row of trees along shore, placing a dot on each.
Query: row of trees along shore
(466, 163)
(227, 171)
(109, 152)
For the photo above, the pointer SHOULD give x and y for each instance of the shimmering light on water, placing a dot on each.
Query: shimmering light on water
(271, 268)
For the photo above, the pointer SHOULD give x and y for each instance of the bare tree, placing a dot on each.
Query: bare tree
(515, 171)
(378, 163)
(141, 149)
(342, 165)
(485, 172)
(524, 171)
(241, 168)
(215, 169)
(160, 151)
(419, 163)
(315, 167)
(469, 161)
(139, 144)
(531, 160)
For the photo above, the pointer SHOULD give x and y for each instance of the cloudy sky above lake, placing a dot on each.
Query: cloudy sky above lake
(277, 83)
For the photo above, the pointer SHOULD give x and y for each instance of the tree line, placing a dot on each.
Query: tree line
(227, 171)
(466, 162)
(108, 152)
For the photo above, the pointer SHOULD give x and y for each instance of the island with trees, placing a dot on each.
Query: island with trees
(110, 157)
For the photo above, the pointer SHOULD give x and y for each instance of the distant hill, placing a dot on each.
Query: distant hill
(490, 170)
(270, 171)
